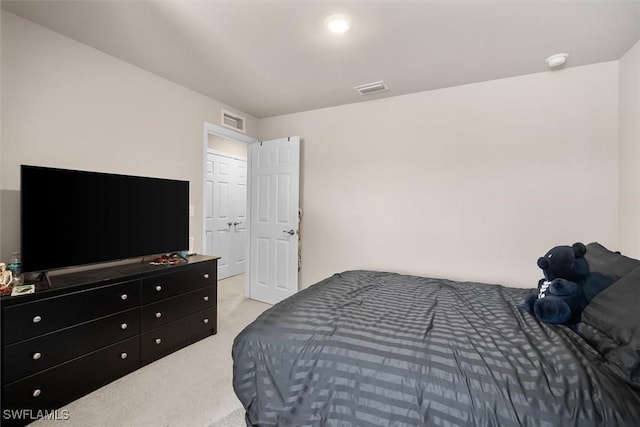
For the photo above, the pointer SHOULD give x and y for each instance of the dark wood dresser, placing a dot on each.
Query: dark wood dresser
(89, 328)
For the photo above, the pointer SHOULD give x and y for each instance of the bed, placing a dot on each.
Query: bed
(366, 348)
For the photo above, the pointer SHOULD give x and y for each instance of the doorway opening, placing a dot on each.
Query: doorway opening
(226, 207)
(225, 210)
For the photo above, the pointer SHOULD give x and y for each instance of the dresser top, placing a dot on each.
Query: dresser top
(77, 280)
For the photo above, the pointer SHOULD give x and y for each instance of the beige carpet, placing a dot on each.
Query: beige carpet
(191, 387)
(234, 419)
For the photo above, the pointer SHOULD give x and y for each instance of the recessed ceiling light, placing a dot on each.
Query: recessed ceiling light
(338, 24)
(557, 60)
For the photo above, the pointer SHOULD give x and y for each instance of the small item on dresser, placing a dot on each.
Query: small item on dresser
(171, 259)
(23, 290)
(15, 266)
(6, 277)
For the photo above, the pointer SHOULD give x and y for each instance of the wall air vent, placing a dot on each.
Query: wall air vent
(233, 121)
(370, 88)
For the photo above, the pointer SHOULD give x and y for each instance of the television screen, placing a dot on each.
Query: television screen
(71, 218)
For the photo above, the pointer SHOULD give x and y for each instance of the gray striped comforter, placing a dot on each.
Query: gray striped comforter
(366, 348)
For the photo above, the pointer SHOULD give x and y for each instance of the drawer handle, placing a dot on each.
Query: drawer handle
(37, 319)
(158, 315)
(205, 320)
(123, 297)
(37, 392)
(123, 326)
(123, 355)
(37, 356)
(206, 298)
(158, 288)
(206, 275)
(158, 340)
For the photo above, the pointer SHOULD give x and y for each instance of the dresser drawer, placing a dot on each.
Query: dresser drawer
(57, 386)
(166, 311)
(37, 354)
(178, 334)
(23, 321)
(177, 282)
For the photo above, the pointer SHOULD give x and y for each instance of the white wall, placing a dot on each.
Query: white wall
(2, 258)
(472, 183)
(629, 222)
(67, 105)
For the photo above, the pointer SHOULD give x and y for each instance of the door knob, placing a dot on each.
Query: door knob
(289, 232)
(229, 224)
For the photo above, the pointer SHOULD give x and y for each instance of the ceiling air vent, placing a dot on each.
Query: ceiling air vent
(370, 88)
(233, 121)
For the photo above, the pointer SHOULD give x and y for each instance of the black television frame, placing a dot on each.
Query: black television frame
(72, 218)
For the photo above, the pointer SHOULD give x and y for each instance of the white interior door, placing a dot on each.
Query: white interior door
(225, 213)
(239, 238)
(275, 168)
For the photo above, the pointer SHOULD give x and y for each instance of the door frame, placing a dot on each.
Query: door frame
(211, 129)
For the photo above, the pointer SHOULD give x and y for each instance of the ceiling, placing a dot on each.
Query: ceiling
(272, 57)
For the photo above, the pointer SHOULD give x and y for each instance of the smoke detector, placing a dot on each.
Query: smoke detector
(370, 88)
(557, 60)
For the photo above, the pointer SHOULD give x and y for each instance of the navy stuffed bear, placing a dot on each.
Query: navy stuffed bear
(567, 287)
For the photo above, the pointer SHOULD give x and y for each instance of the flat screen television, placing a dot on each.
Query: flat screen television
(73, 218)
